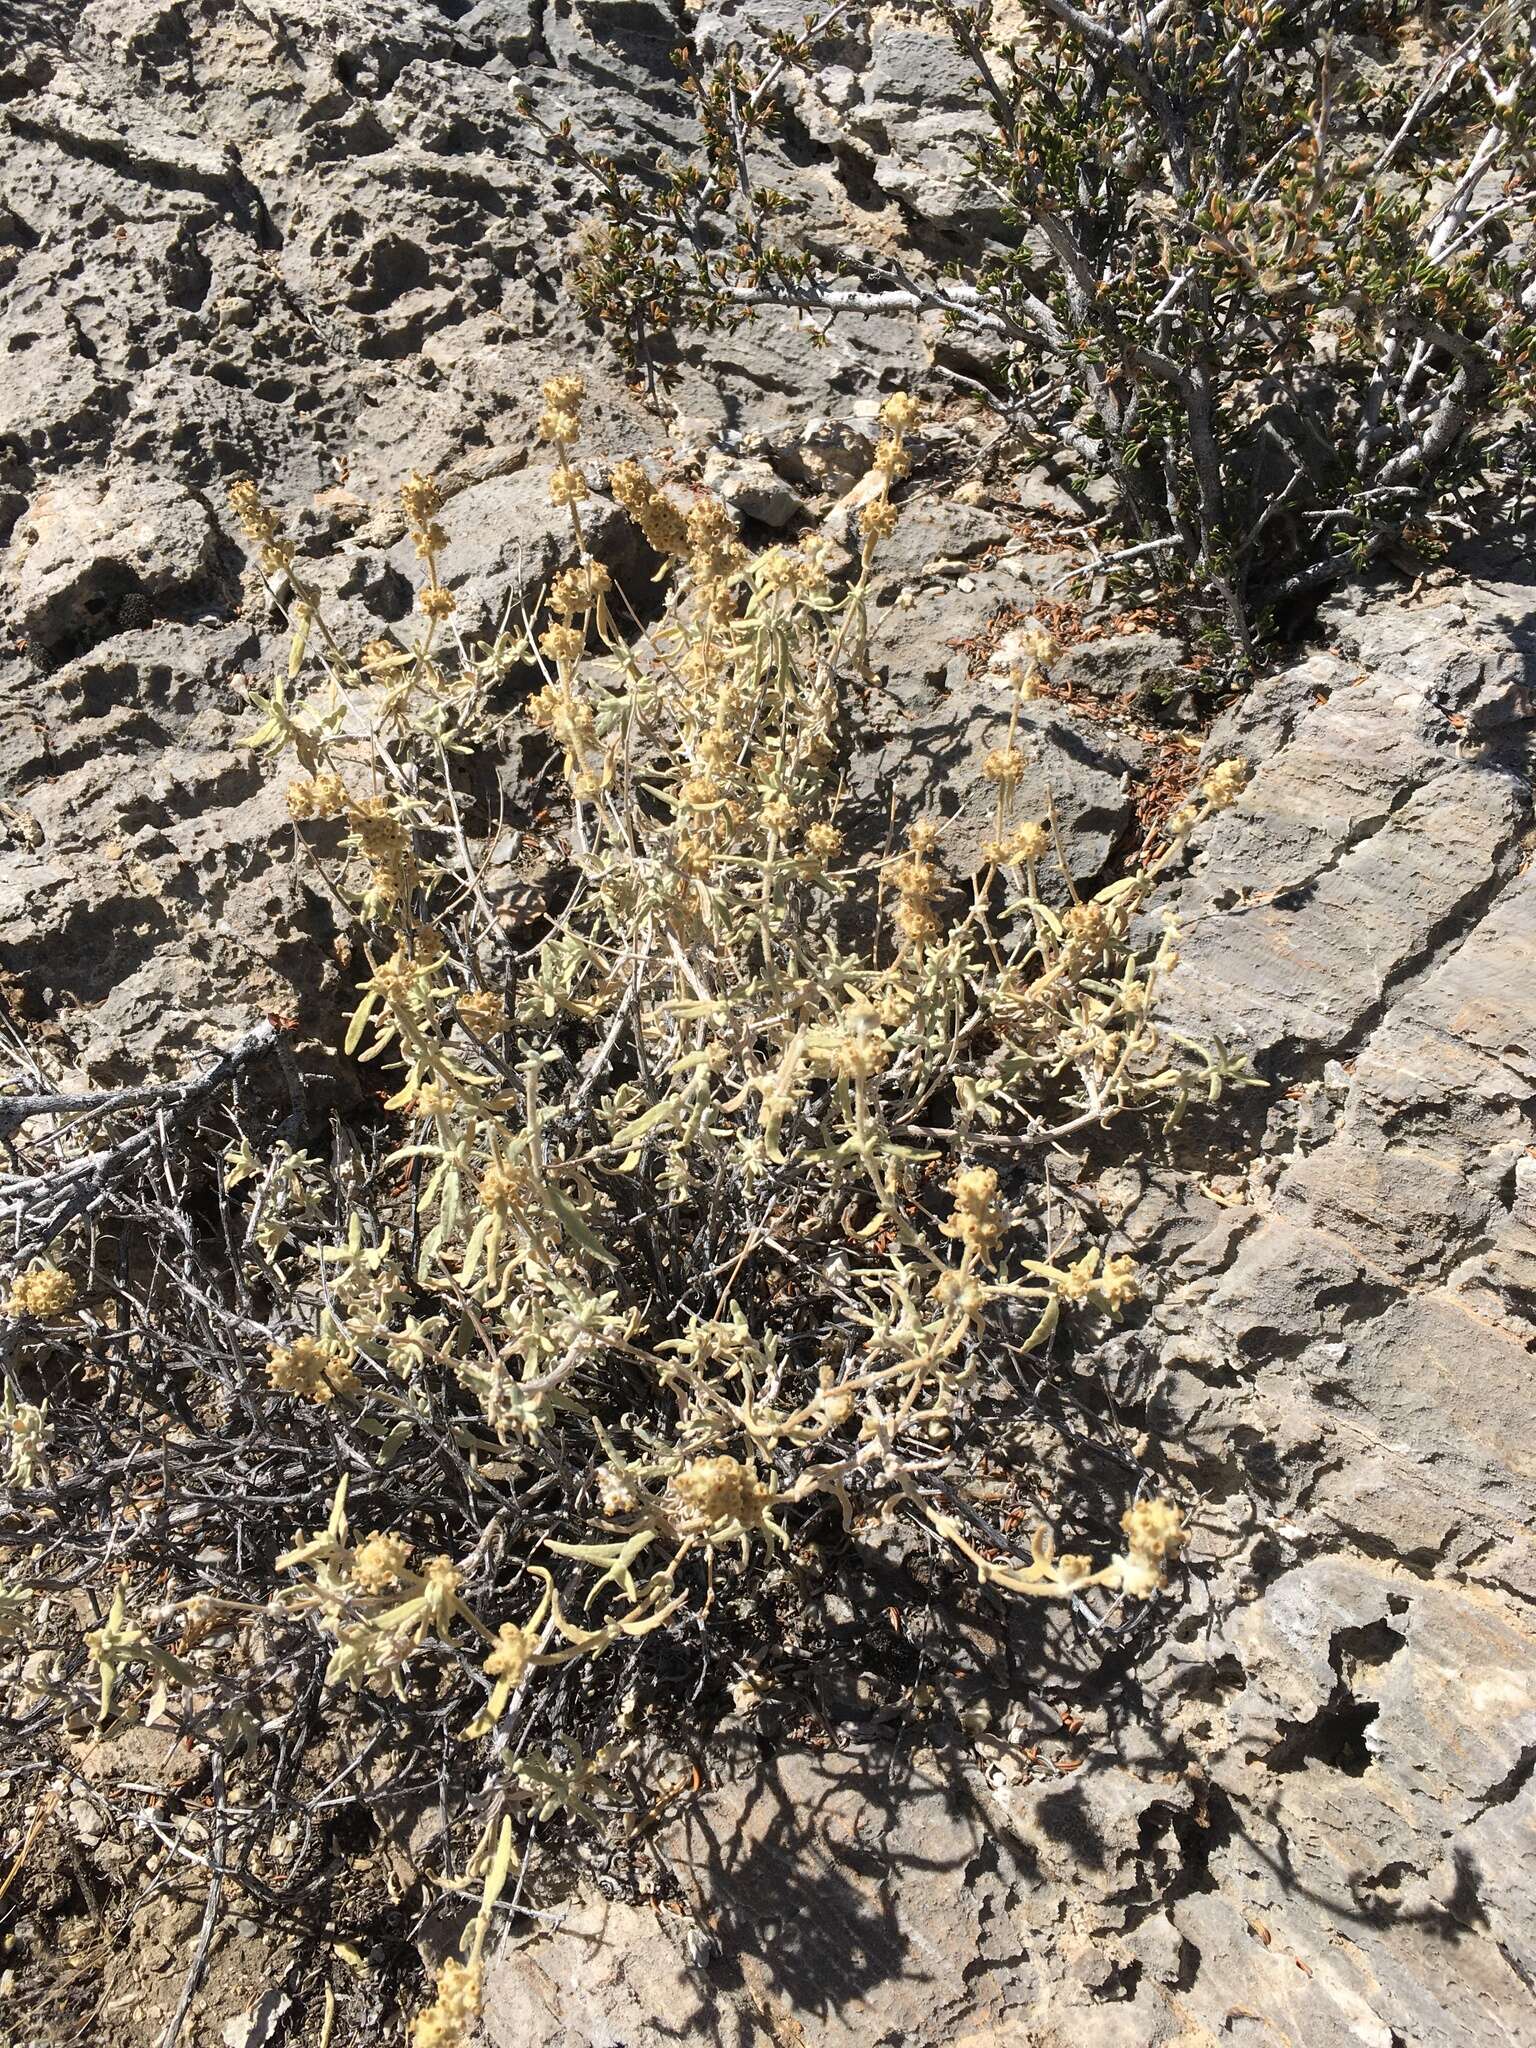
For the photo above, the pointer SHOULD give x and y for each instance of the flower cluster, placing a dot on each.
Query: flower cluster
(316, 796)
(42, 1290)
(449, 2021)
(262, 527)
(700, 1212)
(709, 1494)
(560, 423)
(1155, 1533)
(892, 461)
(1219, 790)
(663, 524)
(919, 886)
(312, 1368)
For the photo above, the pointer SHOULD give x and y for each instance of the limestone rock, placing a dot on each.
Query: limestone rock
(750, 486)
(1143, 667)
(158, 913)
(507, 541)
(829, 1898)
(1393, 1727)
(1360, 848)
(913, 66)
(819, 454)
(87, 551)
(930, 722)
(934, 534)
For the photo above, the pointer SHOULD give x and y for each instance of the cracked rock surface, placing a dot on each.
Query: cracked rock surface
(318, 245)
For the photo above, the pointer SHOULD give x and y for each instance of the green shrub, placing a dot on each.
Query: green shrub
(1266, 267)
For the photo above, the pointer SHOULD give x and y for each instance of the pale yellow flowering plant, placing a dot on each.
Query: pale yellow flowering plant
(692, 1142)
(699, 1217)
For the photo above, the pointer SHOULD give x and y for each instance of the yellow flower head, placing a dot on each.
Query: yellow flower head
(664, 526)
(568, 486)
(420, 499)
(1079, 1280)
(316, 796)
(378, 1562)
(380, 834)
(1225, 784)
(1028, 844)
(1037, 643)
(311, 1368)
(483, 1013)
(891, 457)
(439, 1586)
(777, 570)
(446, 2023)
(562, 644)
(615, 1492)
(834, 1404)
(1155, 1533)
(967, 1297)
(824, 841)
(1088, 929)
(512, 1655)
(257, 520)
(1119, 1284)
(577, 589)
(857, 1048)
(503, 1188)
(44, 1291)
(558, 426)
(711, 1493)
(714, 552)
(978, 1219)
